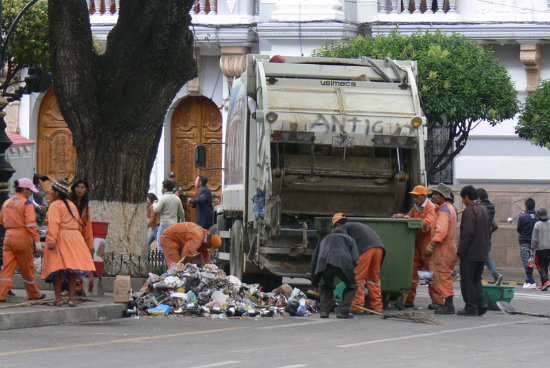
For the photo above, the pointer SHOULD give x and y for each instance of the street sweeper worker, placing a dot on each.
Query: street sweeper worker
(371, 254)
(333, 262)
(186, 238)
(424, 210)
(443, 250)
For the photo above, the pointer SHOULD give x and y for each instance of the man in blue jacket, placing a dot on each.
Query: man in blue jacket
(203, 203)
(526, 222)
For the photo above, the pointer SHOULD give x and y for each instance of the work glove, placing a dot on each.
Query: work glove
(429, 251)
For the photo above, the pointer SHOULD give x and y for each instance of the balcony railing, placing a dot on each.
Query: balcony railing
(110, 7)
(416, 6)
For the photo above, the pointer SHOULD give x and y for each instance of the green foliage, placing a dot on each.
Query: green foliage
(534, 123)
(29, 44)
(459, 81)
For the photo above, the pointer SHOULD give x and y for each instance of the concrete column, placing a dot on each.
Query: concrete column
(532, 59)
(233, 62)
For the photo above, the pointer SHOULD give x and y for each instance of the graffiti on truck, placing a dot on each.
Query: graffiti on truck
(326, 123)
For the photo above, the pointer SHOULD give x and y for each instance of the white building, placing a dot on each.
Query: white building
(226, 30)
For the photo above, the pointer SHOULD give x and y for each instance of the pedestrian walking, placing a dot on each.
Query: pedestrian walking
(371, 255)
(334, 261)
(203, 203)
(484, 201)
(79, 195)
(170, 208)
(186, 238)
(526, 223)
(540, 243)
(153, 220)
(443, 250)
(473, 251)
(19, 219)
(66, 256)
(424, 210)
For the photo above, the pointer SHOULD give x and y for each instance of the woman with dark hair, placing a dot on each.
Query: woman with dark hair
(66, 254)
(153, 218)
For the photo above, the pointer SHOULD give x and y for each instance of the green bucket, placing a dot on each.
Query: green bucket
(496, 293)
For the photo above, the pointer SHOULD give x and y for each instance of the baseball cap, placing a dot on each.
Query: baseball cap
(419, 190)
(26, 183)
(337, 217)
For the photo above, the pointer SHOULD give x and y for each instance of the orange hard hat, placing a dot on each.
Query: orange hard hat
(419, 190)
(337, 217)
(215, 243)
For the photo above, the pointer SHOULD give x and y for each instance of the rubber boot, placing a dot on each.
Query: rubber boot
(448, 308)
(326, 302)
(347, 298)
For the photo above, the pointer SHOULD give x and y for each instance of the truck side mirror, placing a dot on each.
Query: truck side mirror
(200, 157)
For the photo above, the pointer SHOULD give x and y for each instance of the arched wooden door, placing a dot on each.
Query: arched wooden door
(196, 120)
(56, 156)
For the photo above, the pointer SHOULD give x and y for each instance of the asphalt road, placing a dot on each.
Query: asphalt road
(494, 340)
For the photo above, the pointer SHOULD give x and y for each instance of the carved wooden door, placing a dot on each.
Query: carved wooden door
(56, 156)
(196, 120)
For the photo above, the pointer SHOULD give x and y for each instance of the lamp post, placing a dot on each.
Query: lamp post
(6, 170)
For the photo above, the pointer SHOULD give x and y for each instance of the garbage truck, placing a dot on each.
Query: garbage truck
(307, 137)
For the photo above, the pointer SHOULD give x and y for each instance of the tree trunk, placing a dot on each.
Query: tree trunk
(115, 103)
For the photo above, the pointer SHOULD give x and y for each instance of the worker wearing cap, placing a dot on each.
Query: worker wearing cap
(424, 210)
(371, 254)
(443, 250)
(186, 238)
(178, 188)
(18, 217)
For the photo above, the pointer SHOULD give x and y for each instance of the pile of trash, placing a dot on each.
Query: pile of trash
(207, 291)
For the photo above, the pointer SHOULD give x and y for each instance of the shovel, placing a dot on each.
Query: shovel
(509, 309)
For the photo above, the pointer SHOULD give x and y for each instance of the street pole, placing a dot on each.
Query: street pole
(6, 170)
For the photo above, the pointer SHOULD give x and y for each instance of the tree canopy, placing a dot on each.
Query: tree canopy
(28, 46)
(460, 82)
(534, 123)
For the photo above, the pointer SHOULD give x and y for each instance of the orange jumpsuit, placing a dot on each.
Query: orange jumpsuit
(71, 251)
(444, 258)
(368, 268)
(19, 219)
(422, 239)
(184, 239)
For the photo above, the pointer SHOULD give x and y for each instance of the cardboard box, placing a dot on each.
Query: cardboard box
(121, 292)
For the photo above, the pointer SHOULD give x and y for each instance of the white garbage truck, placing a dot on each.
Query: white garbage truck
(308, 137)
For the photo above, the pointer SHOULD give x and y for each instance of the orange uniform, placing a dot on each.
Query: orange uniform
(422, 239)
(71, 251)
(184, 239)
(444, 257)
(19, 219)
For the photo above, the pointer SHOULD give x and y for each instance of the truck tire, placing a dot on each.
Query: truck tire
(236, 251)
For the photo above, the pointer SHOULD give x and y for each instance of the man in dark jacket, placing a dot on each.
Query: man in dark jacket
(333, 262)
(371, 254)
(526, 222)
(484, 201)
(473, 250)
(203, 203)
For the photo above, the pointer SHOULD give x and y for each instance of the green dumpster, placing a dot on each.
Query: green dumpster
(398, 236)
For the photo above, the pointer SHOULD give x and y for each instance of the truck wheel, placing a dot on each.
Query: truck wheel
(236, 252)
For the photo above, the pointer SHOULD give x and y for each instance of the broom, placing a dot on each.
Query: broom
(417, 317)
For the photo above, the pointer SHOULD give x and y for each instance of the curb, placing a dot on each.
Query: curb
(18, 316)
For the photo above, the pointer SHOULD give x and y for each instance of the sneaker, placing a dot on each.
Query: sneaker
(465, 313)
(498, 279)
(545, 286)
(532, 286)
(527, 285)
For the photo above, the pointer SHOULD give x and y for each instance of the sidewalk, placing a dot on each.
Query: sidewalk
(92, 308)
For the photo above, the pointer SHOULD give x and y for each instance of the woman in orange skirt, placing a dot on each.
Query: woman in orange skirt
(66, 254)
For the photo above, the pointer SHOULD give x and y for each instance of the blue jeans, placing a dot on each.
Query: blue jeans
(152, 235)
(160, 230)
(525, 252)
(491, 265)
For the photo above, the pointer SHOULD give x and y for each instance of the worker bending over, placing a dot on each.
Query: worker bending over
(185, 238)
(333, 262)
(371, 254)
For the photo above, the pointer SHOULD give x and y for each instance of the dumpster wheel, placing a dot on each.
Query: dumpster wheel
(393, 300)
